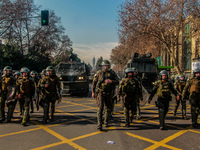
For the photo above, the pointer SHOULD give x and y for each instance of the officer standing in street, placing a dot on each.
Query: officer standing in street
(179, 86)
(7, 89)
(50, 85)
(131, 91)
(138, 115)
(163, 89)
(35, 98)
(25, 90)
(192, 88)
(103, 88)
(17, 75)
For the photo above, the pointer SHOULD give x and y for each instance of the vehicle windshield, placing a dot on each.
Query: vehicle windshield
(144, 67)
(71, 68)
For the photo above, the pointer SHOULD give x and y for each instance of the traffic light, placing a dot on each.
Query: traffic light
(45, 17)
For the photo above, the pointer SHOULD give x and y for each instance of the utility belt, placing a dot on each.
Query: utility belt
(103, 92)
(160, 101)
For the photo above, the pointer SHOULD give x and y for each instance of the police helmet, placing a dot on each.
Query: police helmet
(17, 73)
(196, 71)
(163, 72)
(105, 63)
(182, 76)
(50, 68)
(33, 72)
(128, 70)
(7, 68)
(43, 72)
(24, 69)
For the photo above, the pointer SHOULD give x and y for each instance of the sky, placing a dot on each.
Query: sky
(90, 24)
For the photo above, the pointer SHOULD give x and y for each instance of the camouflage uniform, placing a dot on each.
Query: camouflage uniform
(17, 75)
(179, 86)
(192, 88)
(7, 87)
(163, 91)
(26, 90)
(104, 93)
(138, 116)
(35, 98)
(131, 91)
(50, 85)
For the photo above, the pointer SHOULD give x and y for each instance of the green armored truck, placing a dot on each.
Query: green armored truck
(74, 77)
(146, 67)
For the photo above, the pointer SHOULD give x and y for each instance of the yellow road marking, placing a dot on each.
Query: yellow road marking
(82, 105)
(80, 110)
(163, 142)
(24, 131)
(49, 146)
(62, 138)
(152, 141)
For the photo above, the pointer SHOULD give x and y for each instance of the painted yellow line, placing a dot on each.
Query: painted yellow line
(49, 146)
(152, 141)
(170, 138)
(80, 110)
(62, 138)
(20, 132)
(82, 105)
(75, 116)
(64, 106)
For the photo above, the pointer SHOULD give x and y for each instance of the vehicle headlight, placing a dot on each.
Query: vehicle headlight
(81, 78)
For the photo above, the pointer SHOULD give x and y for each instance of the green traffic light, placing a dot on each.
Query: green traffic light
(45, 17)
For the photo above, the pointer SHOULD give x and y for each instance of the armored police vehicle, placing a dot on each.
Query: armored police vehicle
(147, 68)
(74, 77)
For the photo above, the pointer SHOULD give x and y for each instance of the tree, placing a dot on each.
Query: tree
(36, 44)
(98, 63)
(163, 21)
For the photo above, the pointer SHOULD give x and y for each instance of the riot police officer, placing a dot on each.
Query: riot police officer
(192, 88)
(35, 98)
(163, 89)
(50, 85)
(17, 75)
(135, 73)
(104, 83)
(7, 89)
(26, 90)
(131, 91)
(179, 86)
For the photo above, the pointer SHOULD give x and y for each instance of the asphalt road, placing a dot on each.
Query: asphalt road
(75, 127)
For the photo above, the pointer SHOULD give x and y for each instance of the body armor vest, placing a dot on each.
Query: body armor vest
(164, 89)
(195, 86)
(26, 86)
(129, 87)
(52, 84)
(181, 85)
(6, 81)
(105, 87)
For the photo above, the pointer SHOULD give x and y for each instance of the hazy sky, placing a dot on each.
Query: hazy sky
(90, 24)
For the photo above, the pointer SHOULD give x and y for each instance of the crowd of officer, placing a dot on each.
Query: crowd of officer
(28, 87)
(25, 87)
(130, 91)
